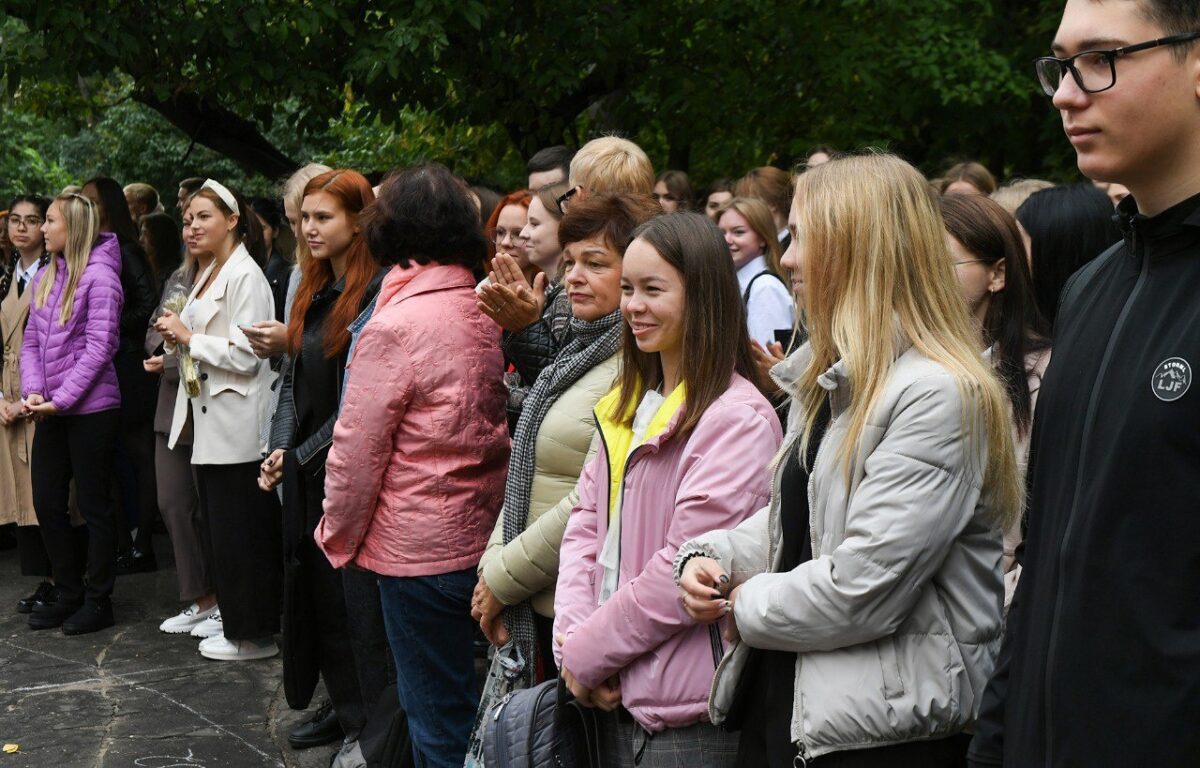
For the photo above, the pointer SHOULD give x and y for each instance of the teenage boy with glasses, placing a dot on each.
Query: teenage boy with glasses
(1101, 661)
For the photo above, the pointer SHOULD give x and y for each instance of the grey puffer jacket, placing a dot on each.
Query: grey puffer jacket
(896, 621)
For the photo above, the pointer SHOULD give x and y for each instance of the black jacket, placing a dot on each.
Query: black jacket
(278, 271)
(312, 384)
(141, 291)
(1101, 662)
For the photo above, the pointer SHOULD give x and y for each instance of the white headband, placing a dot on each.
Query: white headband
(223, 193)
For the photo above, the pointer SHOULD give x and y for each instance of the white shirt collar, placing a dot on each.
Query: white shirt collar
(28, 274)
(750, 270)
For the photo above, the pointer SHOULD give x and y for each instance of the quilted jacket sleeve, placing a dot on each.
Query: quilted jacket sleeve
(918, 493)
(33, 374)
(530, 563)
(376, 398)
(102, 300)
(574, 598)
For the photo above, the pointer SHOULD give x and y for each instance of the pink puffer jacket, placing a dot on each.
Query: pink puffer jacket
(72, 365)
(674, 489)
(415, 476)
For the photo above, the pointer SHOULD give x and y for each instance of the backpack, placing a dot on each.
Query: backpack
(540, 728)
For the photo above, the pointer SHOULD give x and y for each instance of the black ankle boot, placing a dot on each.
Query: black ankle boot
(51, 615)
(322, 728)
(94, 615)
(135, 561)
(43, 595)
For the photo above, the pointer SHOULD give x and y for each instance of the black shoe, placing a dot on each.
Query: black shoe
(135, 561)
(51, 615)
(320, 729)
(44, 595)
(92, 616)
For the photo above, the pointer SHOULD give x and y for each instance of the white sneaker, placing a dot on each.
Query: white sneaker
(186, 620)
(210, 627)
(224, 649)
(208, 642)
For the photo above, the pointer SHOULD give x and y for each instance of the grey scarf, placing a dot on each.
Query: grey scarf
(591, 344)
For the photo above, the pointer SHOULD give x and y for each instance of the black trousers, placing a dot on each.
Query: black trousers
(243, 544)
(77, 447)
(31, 551)
(315, 606)
(368, 636)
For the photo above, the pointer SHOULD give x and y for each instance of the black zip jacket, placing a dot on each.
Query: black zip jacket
(1101, 660)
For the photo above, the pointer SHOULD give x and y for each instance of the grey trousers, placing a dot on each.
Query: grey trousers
(181, 513)
(626, 744)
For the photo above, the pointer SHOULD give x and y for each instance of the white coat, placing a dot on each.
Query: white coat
(235, 385)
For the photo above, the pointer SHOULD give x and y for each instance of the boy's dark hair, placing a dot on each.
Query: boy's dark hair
(1176, 17)
(550, 158)
(424, 214)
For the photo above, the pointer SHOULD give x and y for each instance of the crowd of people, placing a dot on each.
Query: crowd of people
(835, 467)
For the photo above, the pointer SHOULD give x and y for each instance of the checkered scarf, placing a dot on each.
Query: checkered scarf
(591, 344)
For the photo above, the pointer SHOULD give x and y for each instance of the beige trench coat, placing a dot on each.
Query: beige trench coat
(16, 441)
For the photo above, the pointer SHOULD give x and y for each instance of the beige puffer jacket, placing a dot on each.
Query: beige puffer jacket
(896, 621)
(528, 566)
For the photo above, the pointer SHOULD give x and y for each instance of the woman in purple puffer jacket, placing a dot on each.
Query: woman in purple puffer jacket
(70, 387)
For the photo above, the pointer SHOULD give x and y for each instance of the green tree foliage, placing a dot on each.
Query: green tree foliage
(710, 86)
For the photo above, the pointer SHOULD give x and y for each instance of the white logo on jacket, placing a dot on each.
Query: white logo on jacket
(1172, 379)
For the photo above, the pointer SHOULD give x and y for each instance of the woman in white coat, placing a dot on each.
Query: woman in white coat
(225, 418)
(867, 596)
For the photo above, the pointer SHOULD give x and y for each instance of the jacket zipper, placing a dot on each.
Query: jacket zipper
(1088, 422)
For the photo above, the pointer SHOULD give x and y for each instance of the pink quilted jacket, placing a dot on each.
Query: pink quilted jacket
(415, 476)
(674, 489)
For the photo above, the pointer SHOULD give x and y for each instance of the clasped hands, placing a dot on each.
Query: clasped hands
(35, 407)
(508, 298)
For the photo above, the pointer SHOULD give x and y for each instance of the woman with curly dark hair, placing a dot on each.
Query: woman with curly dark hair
(415, 476)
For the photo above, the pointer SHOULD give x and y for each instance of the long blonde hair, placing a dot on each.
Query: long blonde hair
(878, 278)
(293, 192)
(83, 227)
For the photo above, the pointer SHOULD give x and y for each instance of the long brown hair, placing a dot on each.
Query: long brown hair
(716, 343)
(353, 192)
(1014, 326)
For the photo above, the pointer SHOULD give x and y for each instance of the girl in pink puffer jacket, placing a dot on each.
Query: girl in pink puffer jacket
(686, 439)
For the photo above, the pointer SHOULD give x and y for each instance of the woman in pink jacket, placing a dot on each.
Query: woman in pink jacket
(415, 476)
(70, 386)
(685, 441)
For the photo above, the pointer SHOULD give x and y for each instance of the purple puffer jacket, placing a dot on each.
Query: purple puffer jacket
(72, 365)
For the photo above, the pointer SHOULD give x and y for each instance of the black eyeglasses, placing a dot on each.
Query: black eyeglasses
(562, 200)
(1095, 71)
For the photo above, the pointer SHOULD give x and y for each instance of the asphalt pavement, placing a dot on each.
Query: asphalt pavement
(133, 697)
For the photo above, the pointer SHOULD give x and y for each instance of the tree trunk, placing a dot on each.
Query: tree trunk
(223, 131)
